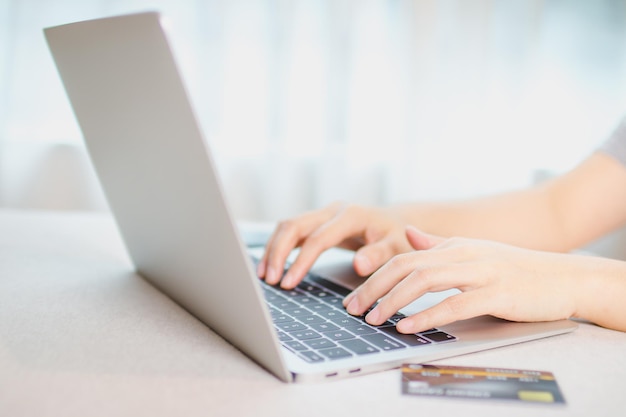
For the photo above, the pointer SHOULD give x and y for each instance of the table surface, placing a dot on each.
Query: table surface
(81, 334)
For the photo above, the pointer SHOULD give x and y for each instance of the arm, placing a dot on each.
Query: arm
(494, 278)
(559, 215)
(508, 281)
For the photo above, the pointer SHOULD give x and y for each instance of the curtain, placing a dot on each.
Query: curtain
(305, 102)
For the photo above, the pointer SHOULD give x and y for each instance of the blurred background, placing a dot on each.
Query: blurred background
(305, 102)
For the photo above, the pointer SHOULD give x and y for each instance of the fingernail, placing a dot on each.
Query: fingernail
(271, 277)
(287, 280)
(353, 307)
(404, 326)
(373, 316)
(348, 298)
(260, 269)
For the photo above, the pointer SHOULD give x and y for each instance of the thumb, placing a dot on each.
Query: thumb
(420, 240)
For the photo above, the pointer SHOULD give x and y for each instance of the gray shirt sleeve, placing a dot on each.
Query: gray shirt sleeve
(615, 144)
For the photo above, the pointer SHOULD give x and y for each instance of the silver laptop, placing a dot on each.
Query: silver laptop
(166, 196)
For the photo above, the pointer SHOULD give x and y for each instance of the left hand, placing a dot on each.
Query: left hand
(496, 279)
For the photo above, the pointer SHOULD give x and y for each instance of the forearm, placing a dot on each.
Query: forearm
(559, 215)
(522, 218)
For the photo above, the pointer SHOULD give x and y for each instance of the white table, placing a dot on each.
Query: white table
(82, 335)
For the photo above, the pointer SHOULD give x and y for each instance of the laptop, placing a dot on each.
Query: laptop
(164, 191)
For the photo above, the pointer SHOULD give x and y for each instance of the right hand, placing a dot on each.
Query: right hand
(375, 234)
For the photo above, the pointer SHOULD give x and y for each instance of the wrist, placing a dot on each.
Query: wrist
(600, 292)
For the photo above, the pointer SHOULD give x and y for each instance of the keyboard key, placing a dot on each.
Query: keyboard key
(346, 321)
(322, 294)
(335, 353)
(339, 335)
(396, 318)
(305, 334)
(323, 327)
(361, 329)
(291, 294)
(383, 342)
(284, 304)
(291, 326)
(439, 336)
(429, 331)
(300, 311)
(307, 287)
(341, 291)
(320, 343)
(319, 307)
(311, 319)
(408, 339)
(283, 318)
(295, 345)
(306, 300)
(334, 301)
(332, 314)
(284, 337)
(358, 346)
(311, 356)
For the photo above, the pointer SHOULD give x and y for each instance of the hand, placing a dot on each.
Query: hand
(496, 279)
(375, 234)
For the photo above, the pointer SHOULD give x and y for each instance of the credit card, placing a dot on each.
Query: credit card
(481, 383)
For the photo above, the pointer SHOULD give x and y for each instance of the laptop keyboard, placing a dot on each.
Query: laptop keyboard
(312, 322)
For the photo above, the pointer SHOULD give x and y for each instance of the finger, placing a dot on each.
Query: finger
(345, 224)
(276, 257)
(457, 307)
(422, 280)
(421, 240)
(372, 256)
(381, 282)
(286, 237)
